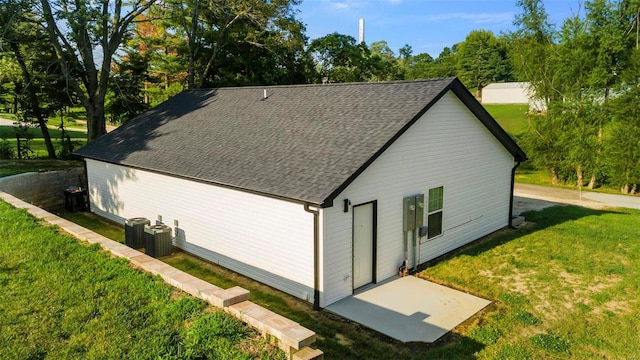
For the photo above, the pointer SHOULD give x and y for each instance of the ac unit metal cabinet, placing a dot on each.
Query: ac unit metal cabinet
(157, 240)
(134, 232)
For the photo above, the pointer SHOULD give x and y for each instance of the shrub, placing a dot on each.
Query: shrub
(6, 151)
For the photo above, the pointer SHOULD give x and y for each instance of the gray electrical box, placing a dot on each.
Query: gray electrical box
(419, 210)
(409, 213)
(413, 212)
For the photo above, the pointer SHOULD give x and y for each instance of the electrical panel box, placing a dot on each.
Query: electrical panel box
(409, 213)
(419, 210)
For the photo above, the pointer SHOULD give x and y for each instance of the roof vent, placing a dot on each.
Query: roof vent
(264, 95)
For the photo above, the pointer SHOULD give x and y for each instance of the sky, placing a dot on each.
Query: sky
(426, 25)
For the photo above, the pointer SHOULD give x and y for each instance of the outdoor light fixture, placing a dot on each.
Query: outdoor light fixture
(346, 202)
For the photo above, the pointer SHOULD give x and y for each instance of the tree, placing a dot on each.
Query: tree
(125, 99)
(420, 66)
(622, 145)
(17, 28)
(215, 29)
(575, 71)
(445, 63)
(86, 35)
(338, 58)
(482, 59)
(10, 74)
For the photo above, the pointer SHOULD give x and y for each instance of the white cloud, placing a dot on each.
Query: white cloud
(344, 4)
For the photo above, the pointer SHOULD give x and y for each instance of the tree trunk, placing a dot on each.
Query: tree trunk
(580, 176)
(624, 189)
(554, 176)
(96, 124)
(16, 99)
(592, 182)
(35, 104)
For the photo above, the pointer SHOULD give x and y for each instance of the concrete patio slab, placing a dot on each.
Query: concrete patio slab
(410, 309)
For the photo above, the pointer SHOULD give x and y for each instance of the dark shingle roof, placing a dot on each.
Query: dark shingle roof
(303, 143)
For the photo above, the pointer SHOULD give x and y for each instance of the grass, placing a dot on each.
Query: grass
(9, 132)
(13, 167)
(96, 224)
(564, 288)
(62, 300)
(512, 118)
(37, 144)
(8, 116)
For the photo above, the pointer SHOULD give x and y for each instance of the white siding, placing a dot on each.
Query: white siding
(447, 147)
(267, 239)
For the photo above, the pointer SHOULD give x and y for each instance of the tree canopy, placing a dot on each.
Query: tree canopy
(117, 59)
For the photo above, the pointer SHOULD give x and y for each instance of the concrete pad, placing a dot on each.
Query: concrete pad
(410, 309)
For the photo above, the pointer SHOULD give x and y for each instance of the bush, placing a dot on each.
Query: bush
(6, 151)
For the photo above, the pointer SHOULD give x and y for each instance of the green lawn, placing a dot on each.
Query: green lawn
(62, 300)
(512, 118)
(9, 132)
(566, 288)
(563, 287)
(13, 167)
(37, 144)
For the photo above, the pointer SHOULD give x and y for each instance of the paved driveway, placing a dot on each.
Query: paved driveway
(541, 196)
(5, 122)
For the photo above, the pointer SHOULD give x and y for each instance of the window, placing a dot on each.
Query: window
(434, 212)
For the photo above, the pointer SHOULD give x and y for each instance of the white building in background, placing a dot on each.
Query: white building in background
(511, 93)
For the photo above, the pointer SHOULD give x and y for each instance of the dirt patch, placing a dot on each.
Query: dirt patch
(343, 340)
(515, 281)
(616, 307)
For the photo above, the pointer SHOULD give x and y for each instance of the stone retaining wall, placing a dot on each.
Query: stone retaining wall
(43, 189)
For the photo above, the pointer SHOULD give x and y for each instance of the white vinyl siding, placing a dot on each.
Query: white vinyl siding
(447, 147)
(267, 239)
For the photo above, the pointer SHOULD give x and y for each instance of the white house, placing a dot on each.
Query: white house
(511, 93)
(316, 190)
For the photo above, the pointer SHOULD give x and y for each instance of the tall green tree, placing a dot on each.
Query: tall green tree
(622, 140)
(85, 35)
(482, 59)
(126, 99)
(577, 72)
(18, 27)
(215, 30)
(339, 58)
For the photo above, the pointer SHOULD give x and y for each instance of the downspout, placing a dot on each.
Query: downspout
(316, 252)
(85, 174)
(513, 183)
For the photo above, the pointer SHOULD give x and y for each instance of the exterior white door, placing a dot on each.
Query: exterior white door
(363, 244)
